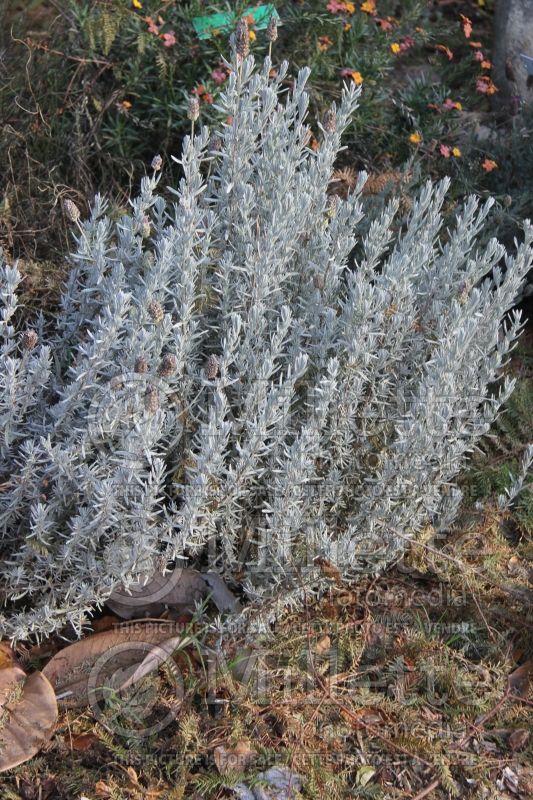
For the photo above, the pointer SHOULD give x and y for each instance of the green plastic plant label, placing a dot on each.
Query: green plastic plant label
(207, 27)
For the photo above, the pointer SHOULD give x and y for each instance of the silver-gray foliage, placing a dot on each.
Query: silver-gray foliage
(222, 378)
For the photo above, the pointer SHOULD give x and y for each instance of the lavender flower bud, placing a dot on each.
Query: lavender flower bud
(151, 399)
(272, 29)
(333, 205)
(168, 365)
(71, 210)
(141, 365)
(193, 109)
(329, 121)
(29, 339)
(213, 365)
(157, 163)
(215, 143)
(242, 39)
(145, 227)
(155, 310)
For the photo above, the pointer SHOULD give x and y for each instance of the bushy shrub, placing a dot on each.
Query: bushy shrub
(255, 371)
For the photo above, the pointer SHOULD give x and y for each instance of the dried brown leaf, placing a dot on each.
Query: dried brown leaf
(84, 741)
(7, 656)
(233, 759)
(28, 714)
(105, 659)
(520, 679)
(518, 739)
(179, 588)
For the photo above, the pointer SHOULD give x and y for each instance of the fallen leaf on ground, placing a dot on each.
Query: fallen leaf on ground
(233, 759)
(513, 565)
(518, 739)
(159, 654)
(105, 623)
(220, 594)
(508, 780)
(107, 659)
(7, 656)
(520, 679)
(28, 714)
(84, 741)
(323, 645)
(178, 588)
(364, 775)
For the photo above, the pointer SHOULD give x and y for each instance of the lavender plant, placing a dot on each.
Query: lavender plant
(225, 378)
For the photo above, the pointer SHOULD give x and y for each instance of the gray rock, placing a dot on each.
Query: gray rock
(513, 36)
(282, 784)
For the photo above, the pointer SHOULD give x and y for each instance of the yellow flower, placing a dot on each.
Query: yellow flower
(252, 36)
(349, 7)
(136, 4)
(357, 78)
(369, 7)
(456, 152)
(415, 138)
(458, 105)
(347, 26)
(395, 48)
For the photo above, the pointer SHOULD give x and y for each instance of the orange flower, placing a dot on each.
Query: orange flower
(486, 65)
(467, 26)
(475, 44)
(415, 138)
(484, 85)
(126, 105)
(369, 7)
(349, 8)
(450, 104)
(446, 50)
(395, 48)
(488, 165)
(346, 27)
(324, 43)
(354, 74)
(385, 24)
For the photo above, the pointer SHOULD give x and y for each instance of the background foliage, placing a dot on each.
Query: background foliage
(91, 89)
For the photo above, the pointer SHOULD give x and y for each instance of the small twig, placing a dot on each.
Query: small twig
(44, 47)
(428, 789)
